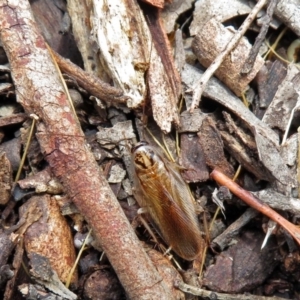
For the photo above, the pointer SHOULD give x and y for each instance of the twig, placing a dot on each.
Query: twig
(260, 38)
(67, 284)
(25, 150)
(278, 201)
(226, 236)
(220, 296)
(89, 82)
(254, 202)
(199, 87)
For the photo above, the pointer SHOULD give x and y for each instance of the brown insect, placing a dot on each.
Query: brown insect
(160, 189)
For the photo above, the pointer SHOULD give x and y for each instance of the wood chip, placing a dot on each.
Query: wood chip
(286, 98)
(243, 266)
(124, 41)
(288, 12)
(210, 41)
(120, 132)
(217, 92)
(5, 179)
(192, 158)
(191, 122)
(220, 10)
(213, 148)
(45, 236)
(171, 12)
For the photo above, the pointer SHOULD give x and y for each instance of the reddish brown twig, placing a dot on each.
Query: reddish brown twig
(254, 202)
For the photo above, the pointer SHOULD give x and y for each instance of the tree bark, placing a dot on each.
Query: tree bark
(39, 90)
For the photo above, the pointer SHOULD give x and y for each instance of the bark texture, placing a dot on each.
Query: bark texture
(40, 91)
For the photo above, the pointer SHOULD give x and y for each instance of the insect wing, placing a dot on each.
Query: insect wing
(167, 199)
(189, 242)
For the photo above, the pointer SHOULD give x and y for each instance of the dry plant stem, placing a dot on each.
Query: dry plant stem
(25, 150)
(201, 84)
(272, 51)
(89, 82)
(39, 90)
(77, 259)
(62, 80)
(269, 53)
(254, 202)
(220, 296)
(260, 38)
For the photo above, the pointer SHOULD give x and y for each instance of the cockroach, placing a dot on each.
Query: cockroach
(160, 189)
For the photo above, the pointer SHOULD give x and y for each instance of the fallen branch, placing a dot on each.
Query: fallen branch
(254, 202)
(39, 90)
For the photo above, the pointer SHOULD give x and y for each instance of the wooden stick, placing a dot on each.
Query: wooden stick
(193, 290)
(39, 91)
(254, 202)
(201, 84)
(248, 65)
(89, 82)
